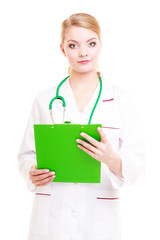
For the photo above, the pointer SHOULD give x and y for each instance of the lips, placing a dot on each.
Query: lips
(84, 61)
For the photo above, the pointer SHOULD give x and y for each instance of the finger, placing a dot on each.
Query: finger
(90, 139)
(34, 167)
(42, 176)
(87, 151)
(44, 181)
(35, 172)
(88, 146)
(102, 135)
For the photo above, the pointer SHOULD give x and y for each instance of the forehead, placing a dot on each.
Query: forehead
(79, 34)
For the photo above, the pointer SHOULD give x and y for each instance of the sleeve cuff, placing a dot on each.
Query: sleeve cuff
(116, 181)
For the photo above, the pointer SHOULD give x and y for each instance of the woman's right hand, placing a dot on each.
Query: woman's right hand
(40, 177)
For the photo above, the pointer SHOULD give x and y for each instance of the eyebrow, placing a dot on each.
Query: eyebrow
(77, 41)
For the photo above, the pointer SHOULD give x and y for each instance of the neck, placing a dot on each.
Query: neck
(82, 81)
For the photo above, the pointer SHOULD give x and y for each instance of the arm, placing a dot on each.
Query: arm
(132, 144)
(27, 156)
(127, 164)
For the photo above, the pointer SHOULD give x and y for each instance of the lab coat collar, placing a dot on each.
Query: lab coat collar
(72, 113)
(107, 90)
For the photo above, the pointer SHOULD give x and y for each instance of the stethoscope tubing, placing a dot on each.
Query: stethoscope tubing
(90, 119)
(58, 97)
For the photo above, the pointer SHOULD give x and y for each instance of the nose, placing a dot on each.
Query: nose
(83, 52)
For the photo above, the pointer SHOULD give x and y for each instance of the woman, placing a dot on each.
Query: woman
(81, 211)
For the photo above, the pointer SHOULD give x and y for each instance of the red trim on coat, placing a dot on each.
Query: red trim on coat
(43, 194)
(107, 198)
(108, 100)
(110, 127)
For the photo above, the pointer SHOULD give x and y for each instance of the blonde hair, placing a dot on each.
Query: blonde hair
(80, 20)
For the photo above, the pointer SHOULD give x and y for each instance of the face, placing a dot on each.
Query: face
(82, 48)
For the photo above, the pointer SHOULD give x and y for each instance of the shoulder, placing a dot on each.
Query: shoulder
(46, 94)
(122, 101)
(113, 92)
(42, 100)
(121, 95)
(49, 93)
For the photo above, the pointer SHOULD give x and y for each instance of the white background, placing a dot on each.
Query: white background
(30, 61)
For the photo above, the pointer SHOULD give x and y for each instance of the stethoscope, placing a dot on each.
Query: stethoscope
(58, 97)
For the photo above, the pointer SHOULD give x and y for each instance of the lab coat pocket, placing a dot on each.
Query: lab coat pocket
(107, 224)
(39, 223)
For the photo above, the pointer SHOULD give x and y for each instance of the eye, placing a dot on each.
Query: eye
(92, 44)
(73, 45)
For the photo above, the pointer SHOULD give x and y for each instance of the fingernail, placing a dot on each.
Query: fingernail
(82, 134)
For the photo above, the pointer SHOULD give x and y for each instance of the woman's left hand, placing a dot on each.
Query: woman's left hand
(101, 151)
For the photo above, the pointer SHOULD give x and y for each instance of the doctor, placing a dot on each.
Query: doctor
(76, 211)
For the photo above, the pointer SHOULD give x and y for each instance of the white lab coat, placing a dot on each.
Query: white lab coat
(76, 211)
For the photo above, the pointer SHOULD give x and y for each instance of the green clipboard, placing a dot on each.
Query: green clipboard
(56, 150)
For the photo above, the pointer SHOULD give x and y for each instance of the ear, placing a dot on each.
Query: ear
(62, 49)
(100, 46)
